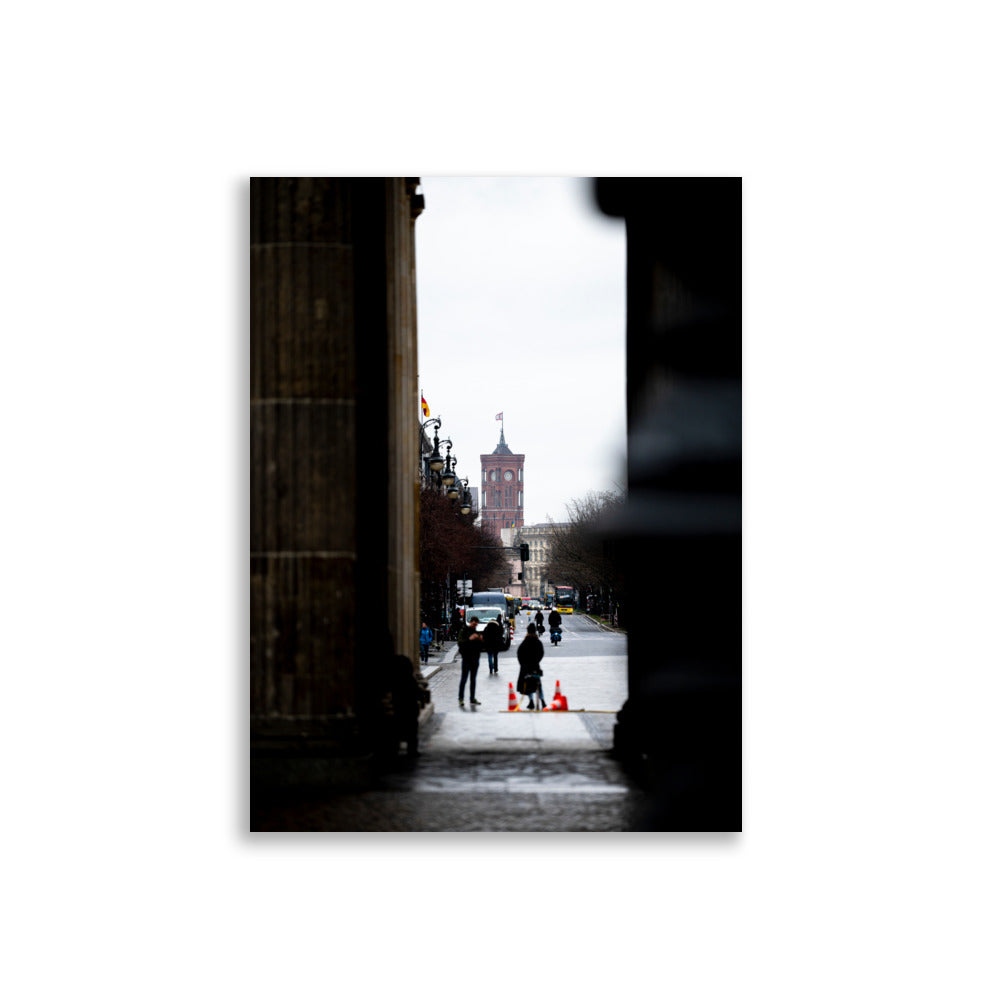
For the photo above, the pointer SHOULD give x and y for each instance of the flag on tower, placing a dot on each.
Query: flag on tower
(425, 409)
(500, 415)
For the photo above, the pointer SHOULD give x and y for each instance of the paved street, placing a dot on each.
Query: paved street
(484, 768)
(590, 665)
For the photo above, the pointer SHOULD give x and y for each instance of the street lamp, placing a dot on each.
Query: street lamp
(454, 488)
(435, 462)
(448, 476)
(466, 507)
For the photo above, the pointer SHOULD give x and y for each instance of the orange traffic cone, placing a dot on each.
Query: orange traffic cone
(511, 698)
(559, 700)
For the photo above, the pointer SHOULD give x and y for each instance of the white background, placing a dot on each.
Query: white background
(865, 137)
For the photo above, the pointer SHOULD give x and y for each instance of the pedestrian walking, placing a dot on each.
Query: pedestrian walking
(456, 623)
(426, 637)
(539, 619)
(529, 678)
(470, 645)
(492, 642)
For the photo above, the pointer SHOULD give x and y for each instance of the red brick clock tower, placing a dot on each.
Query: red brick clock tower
(501, 502)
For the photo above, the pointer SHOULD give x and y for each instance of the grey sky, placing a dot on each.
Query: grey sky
(521, 309)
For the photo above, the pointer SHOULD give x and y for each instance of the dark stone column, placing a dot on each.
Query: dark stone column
(303, 429)
(330, 595)
(680, 530)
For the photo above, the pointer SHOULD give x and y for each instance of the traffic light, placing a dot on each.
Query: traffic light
(524, 551)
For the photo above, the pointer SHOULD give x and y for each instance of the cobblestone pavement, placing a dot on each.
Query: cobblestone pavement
(486, 769)
(479, 792)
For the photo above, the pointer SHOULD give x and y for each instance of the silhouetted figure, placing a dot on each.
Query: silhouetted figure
(529, 678)
(470, 645)
(492, 642)
(555, 627)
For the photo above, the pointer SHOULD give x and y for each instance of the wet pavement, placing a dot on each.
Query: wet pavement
(487, 769)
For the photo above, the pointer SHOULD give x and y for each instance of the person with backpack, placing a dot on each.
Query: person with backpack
(529, 678)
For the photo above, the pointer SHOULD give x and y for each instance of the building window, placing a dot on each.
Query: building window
(520, 475)
(519, 497)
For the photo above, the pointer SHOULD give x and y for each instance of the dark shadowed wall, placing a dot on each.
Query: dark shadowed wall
(680, 531)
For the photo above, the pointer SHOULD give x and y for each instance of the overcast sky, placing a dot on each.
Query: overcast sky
(521, 310)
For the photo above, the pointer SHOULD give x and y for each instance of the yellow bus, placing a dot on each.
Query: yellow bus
(563, 601)
(511, 608)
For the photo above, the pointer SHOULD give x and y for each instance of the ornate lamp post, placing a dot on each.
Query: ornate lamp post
(448, 476)
(466, 507)
(435, 462)
(454, 490)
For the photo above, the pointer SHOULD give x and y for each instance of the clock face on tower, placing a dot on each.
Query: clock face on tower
(508, 475)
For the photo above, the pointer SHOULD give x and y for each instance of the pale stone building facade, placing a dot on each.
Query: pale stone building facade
(538, 538)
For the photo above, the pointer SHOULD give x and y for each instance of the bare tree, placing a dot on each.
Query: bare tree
(580, 557)
(453, 547)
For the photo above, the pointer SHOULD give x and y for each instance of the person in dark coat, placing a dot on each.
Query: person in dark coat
(529, 656)
(539, 620)
(470, 645)
(555, 627)
(492, 643)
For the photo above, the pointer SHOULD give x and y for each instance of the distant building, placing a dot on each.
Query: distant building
(539, 540)
(502, 501)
